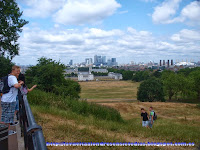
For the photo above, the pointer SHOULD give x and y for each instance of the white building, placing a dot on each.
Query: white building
(85, 76)
(116, 76)
(100, 70)
(184, 64)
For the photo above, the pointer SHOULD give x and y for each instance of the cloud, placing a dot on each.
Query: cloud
(186, 36)
(191, 13)
(164, 12)
(78, 12)
(123, 12)
(41, 8)
(125, 45)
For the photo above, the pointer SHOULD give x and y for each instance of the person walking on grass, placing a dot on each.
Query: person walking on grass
(144, 118)
(151, 117)
(8, 100)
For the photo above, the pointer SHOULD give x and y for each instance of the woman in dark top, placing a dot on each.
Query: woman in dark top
(24, 90)
(144, 117)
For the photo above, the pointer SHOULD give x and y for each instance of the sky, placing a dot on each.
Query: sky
(129, 30)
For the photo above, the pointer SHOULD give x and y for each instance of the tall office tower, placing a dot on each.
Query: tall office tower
(99, 59)
(113, 61)
(160, 62)
(167, 63)
(87, 61)
(95, 59)
(104, 59)
(90, 61)
(163, 62)
(71, 62)
(109, 63)
(172, 63)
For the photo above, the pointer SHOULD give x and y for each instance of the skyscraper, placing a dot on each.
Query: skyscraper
(71, 62)
(104, 60)
(113, 62)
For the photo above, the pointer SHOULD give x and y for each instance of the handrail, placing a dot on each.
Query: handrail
(32, 132)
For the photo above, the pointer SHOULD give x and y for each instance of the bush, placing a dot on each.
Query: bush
(38, 97)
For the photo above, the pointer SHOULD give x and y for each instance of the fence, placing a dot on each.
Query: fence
(33, 135)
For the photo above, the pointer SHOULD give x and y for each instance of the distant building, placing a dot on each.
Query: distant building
(184, 64)
(116, 76)
(99, 60)
(85, 76)
(113, 62)
(100, 70)
(88, 61)
(71, 62)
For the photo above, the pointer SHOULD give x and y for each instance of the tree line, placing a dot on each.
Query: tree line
(184, 84)
(161, 85)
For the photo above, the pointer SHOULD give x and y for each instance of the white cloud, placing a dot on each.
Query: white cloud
(78, 12)
(191, 13)
(126, 45)
(41, 8)
(186, 35)
(164, 12)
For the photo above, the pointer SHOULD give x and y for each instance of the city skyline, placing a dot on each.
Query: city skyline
(139, 31)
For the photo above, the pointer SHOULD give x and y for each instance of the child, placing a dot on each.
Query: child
(144, 118)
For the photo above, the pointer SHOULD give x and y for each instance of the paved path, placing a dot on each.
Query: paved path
(15, 141)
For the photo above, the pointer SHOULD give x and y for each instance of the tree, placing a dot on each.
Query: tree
(170, 83)
(10, 26)
(141, 75)
(150, 90)
(195, 77)
(127, 75)
(6, 66)
(48, 75)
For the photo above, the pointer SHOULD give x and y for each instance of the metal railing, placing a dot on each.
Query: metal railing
(33, 135)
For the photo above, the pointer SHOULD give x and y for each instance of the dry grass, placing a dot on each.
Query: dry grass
(179, 120)
(109, 90)
(172, 111)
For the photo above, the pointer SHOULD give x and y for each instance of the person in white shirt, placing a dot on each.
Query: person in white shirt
(8, 100)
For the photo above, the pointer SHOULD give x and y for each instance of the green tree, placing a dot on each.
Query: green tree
(6, 66)
(127, 75)
(141, 75)
(157, 74)
(10, 26)
(48, 75)
(150, 90)
(169, 80)
(195, 78)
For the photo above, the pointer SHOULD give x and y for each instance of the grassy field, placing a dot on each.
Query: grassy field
(177, 122)
(104, 90)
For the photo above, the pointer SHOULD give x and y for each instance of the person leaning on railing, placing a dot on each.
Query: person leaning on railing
(24, 90)
(8, 100)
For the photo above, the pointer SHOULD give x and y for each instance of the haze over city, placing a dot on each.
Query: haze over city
(139, 30)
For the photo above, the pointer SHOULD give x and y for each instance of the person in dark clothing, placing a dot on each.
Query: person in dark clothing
(144, 118)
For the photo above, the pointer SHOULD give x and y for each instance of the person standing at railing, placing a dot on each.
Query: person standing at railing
(8, 100)
(24, 90)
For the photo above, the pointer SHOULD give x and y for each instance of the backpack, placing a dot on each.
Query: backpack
(5, 88)
(154, 116)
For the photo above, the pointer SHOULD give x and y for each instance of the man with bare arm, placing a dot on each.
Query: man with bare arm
(8, 100)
